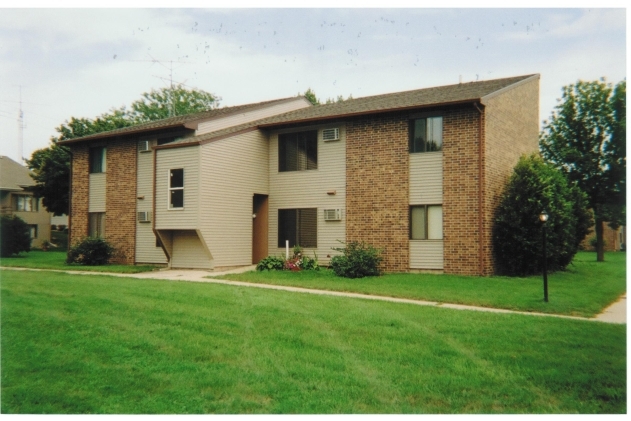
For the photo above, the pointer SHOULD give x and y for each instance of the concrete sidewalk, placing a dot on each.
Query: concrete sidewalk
(616, 313)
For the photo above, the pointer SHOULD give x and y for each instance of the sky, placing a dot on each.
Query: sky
(67, 62)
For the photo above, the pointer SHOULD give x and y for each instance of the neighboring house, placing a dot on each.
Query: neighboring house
(417, 174)
(16, 198)
(615, 239)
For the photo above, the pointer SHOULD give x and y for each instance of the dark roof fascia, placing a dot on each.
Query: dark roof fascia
(117, 135)
(370, 112)
(206, 141)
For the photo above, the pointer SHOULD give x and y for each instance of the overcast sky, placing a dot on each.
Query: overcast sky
(83, 62)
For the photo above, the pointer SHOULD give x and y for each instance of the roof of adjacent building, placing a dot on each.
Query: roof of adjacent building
(180, 121)
(460, 93)
(13, 176)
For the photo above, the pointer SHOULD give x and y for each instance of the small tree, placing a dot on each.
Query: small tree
(15, 236)
(517, 234)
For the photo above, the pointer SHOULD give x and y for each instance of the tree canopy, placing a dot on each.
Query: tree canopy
(586, 139)
(51, 166)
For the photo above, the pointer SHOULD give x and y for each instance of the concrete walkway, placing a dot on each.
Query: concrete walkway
(616, 313)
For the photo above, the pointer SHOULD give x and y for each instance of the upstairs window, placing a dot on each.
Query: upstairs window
(426, 134)
(426, 222)
(299, 226)
(25, 203)
(97, 160)
(176, 188)
(298, 151)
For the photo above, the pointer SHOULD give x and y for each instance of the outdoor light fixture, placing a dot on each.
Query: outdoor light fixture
(543, 217)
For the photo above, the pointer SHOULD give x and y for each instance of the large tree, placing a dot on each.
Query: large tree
(586, 139)
(51, 166)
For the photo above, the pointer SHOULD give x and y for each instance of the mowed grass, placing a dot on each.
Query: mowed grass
(56, 259)
(584, 289)
(103, 344)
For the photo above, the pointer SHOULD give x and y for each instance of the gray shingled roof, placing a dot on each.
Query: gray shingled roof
(419, 98)
(178, 121)
(441, 95)
(14, 176)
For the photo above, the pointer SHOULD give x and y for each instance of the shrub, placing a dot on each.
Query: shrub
(271, 263)
(90, 252)
(358, 260)
(15, 236)
(518, 233)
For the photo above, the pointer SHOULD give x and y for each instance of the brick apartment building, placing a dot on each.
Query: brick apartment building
(417, 174)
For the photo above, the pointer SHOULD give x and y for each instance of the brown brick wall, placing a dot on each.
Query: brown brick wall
(377, 193)
(461, 190)
(78, 218)
(512, 130)
(120, 217)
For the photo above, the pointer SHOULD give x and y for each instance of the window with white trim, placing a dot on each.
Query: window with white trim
(426, 222)
(176, 188)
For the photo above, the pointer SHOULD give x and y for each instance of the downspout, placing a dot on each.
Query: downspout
(481, 189)
(70, 202)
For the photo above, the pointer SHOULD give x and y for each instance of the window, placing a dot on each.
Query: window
(33, 231)
(25, 203)
(176, 189)
(298, 151)
(96, 224)
(299, 226)
(426, 134)
(426, 222)
(97, 160)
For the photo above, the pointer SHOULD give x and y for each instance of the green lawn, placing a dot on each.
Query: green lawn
(103, 344)
(56, 259)
(584, 289)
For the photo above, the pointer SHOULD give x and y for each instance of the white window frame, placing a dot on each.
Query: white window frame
(172, 189)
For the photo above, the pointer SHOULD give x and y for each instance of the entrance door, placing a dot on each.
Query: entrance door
(260, 216)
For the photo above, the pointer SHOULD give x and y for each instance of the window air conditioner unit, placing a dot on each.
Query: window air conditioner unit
(329, 135)
(333, 214)
(144, 146)
(144, 216)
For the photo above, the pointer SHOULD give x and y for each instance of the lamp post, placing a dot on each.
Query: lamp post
(543, 217)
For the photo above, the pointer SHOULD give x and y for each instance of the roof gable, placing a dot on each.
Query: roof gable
(13, 176)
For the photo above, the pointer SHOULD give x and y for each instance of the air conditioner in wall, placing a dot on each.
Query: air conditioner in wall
(144, 216)
(144, 146)
(329, 135)
(333, 214)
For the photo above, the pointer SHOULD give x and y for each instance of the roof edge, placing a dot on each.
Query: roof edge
(357, 114)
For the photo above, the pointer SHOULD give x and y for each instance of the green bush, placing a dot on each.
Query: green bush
(358, 260)
(90, 252)
(15, 236)
(518, 233)
(271, 263)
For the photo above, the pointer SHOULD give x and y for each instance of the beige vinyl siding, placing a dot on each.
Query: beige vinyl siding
(426, 254)
(233, 170)
(241, 118)
(97, 193)
(189, 252)
(426, 178)
(146, 250)
(308, 189)
(426, 188)
(186, 158)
